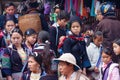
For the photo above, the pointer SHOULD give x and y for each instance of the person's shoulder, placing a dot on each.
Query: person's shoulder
(82, 76)
(91, 46)
(62, 77)
(49, 77)
(1, 16)
(69, 40)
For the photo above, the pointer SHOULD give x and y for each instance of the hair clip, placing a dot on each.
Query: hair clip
(36, 54)
(28, 32)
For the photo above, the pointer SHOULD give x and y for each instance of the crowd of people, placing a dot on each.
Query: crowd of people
(64, 49)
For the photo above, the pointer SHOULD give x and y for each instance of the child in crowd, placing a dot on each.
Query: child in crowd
(9, 15)
(58, 29)
(9, 26)
(75, 44)
(30, 38)
(116, 46)
(87, 34)
(116, 49)
(109, 70)
(94, 53)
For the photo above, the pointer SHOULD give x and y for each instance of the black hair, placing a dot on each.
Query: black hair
(56, 7)
(9, 20)
(16, 30)
(75, 19)
(63, 15)
(37, 57)
(43, 36)
(97, 33)
(117, 41)
(108, 51)
(29, 32)
(33, 4)
(9, 4)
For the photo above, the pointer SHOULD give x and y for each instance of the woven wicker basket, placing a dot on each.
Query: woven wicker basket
(29, 21)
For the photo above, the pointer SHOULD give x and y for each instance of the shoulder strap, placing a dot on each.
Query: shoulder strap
(24, 67)
(99, 59)
(56, 35)
(105, 72)
(78, 75)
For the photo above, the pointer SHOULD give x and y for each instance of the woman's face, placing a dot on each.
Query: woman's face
(116, 49)
(64, 68)
(10, 25)
(32, 39)
(16, 38)
(106, 58)
(33, 65)
(75, 28)
(99, 16)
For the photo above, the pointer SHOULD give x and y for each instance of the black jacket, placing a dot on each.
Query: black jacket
(78, 49)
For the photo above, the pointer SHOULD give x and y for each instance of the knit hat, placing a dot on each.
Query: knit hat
(75, 19)
(107, 9)
(47, 7)
(68, 57)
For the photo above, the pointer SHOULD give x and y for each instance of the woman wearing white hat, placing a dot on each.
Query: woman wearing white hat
(68, 68)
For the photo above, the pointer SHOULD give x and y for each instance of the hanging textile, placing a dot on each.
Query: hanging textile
(66, 5)
(97, 6)
(81, 7)
(92, 12)
(85, 12)
(72, 7)
(76, 6)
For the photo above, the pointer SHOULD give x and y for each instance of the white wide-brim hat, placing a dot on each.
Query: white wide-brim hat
(68, 57)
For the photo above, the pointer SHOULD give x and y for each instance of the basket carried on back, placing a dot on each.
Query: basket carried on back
(29, 21)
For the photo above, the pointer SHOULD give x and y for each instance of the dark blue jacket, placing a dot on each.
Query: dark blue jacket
(11, 61)
(78, 49)
(49, 77)
(55, 34)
